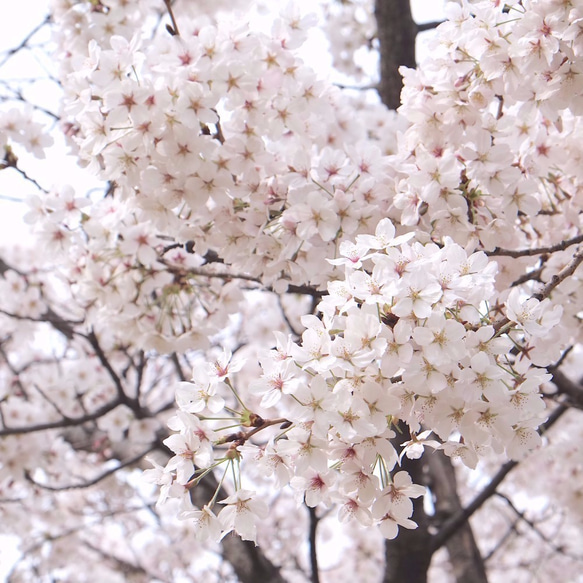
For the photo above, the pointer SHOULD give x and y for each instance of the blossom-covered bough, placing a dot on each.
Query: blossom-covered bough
(288, 296)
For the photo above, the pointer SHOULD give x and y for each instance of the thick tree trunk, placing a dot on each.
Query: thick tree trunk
(407, 557)
(464, 555)
(396, 32)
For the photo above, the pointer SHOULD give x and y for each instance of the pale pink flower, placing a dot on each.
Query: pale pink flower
(241, 513)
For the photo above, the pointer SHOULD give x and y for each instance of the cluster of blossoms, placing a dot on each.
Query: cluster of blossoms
(351, 29)
(211, 162)
(17, 126)
(407, 336)
(238, 181)
(495, 135)
(196, 144)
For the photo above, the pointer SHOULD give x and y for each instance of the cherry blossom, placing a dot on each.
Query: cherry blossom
(299, 305)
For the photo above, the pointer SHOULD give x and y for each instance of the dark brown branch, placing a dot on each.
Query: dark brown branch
(502, 541)
(214, 258)
(177, 366)
(11, 161)
(556, 279)
(63, 326)
(127, 569)
(122, 397)
(423, 26)
(530, 276)
(173, 30)
(566, 386)
(305, 290)
(50, 401)
(140, 367)
(17, 94)
(537, 250)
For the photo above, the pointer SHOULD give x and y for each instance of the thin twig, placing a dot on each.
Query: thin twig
(173, 30)
(24, 42)
(549, 540)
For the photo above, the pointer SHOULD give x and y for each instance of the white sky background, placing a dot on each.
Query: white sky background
(19, 18)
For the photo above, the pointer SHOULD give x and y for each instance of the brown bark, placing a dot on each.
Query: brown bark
(466, 560)
(408, 556)
(396, 32)
(248, 562)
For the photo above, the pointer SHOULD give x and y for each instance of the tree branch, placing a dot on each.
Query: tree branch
(65, 422)
(423, 26)
(173, 30)
(11, 52)
(122, 397)
(566, 386)
(93, 481)
(521, 515)
(556, 279)
(537, 250)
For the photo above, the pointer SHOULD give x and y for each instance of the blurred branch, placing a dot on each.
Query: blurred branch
(566, 386)
(548, 540)
(11, 161)
(129, 570)
(11, 52)
(122, 396)
(63, 326)
(65, 422)
(93, 481)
